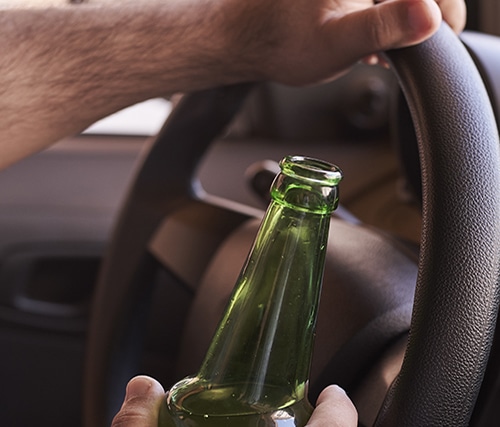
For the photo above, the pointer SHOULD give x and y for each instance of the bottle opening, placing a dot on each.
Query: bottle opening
(307, 184)
(311, 169)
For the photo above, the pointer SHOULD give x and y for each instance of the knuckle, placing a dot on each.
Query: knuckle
(127, 418)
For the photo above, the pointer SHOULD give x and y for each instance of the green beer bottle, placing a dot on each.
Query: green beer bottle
(256, 371)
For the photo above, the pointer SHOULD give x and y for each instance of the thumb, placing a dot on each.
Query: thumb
(334, 409)
(387, 25)
(142, 403)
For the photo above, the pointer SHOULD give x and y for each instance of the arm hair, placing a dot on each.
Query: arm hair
(65, 66)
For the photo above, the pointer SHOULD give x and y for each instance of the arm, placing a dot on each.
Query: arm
(64, 66)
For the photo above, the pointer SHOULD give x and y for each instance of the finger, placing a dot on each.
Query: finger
(390, 24)
(376, 60)
(334, 409)
(454, 13)
(142, 403)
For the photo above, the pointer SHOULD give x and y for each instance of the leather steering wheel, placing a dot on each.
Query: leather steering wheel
(457, 290)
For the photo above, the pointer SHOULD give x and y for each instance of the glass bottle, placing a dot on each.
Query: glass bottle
(256, 371)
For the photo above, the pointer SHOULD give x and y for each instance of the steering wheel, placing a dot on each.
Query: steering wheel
(167, 217)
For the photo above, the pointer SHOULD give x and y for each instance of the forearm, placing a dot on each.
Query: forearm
(64, 67)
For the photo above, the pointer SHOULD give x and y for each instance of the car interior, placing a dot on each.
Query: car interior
(119, 246)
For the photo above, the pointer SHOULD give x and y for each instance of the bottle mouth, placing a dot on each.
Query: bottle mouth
(311, 169)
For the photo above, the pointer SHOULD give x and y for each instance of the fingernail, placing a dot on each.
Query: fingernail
(137, 386)
(340, 389)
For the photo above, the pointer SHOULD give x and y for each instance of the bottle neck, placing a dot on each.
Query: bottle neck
(265, 338)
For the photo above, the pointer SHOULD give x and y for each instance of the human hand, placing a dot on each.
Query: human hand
(142, 403)
(145, 395)
(310, 41)
(333, 409)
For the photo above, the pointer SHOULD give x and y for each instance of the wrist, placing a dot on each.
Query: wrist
(248, 35)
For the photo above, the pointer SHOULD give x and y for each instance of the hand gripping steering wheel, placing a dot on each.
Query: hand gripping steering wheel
(457, 291)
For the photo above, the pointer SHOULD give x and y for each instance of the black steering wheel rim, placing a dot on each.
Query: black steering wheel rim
(456, 299)
(457, 292)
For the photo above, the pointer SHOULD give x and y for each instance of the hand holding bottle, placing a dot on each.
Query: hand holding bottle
(145, 396)
(333, 409)
(141, 405)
